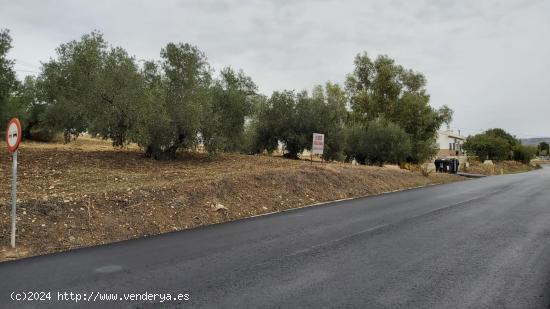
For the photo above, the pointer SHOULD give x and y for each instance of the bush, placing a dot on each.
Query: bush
(488, 147)
(543, 149)
(386, 142)
(41, 134)
(524, 153)
(381, 142)
(355, 148)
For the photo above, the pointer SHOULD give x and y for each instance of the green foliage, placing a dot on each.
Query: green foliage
(253, 141)
(279, 123)
(386, 143)
(378, 143)
(333, 117)
(69, 84)
(169, 118)
(90, 87)
(498, 132)
(488, 146)
(8, 81)
(174, 104)
(223, 124)
(381, 88)
(118, 92)
(291, 119)
(31, 110)
(355, 145)
(20, 100)
(523, 153)
(497, 144)
(543, 148)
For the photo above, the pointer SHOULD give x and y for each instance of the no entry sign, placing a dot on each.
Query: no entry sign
(13, 134)
(13, 139)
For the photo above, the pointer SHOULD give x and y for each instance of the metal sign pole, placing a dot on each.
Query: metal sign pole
(13, 197)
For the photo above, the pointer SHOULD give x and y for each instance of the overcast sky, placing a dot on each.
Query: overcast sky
(488, 60)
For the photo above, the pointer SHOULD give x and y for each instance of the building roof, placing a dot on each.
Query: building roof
(453, 134)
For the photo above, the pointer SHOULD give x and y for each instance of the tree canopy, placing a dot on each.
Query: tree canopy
(384, 89)
(178, 102)
(8, 80)
(497, 144)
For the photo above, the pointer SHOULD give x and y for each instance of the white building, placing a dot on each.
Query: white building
(450, 143)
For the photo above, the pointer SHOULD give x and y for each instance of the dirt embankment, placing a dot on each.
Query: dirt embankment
(86, 193)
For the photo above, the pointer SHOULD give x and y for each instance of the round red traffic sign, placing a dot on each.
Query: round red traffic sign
(13, 134)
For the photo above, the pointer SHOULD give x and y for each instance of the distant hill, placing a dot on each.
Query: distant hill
(535, 141)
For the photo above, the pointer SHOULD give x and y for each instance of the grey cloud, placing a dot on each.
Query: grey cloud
(486, 59)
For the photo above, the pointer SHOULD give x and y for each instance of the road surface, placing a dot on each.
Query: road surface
(482, 243)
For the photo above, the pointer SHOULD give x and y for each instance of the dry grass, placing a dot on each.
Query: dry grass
(503, 167)
(87, 193)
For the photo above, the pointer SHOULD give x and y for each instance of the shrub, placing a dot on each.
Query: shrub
(386, 142)
(42, 134)
(381, 142)
(354, 148)
(543, 149)
(523, 153)
(488, 147)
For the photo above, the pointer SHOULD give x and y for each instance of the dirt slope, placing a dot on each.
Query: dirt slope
(86, 193)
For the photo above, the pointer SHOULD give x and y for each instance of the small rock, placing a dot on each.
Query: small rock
(264, 208)
(72, 238)
(219, 207)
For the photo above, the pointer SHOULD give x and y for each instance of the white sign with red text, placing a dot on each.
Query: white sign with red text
(318, 143)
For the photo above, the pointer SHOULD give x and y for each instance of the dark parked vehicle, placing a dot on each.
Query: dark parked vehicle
(446, 165)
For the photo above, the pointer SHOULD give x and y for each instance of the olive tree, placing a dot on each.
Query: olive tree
(378, 142)
(382, 88)
(175, 101)
(231, 100)
(8, 80)
(119, 90)
(69, 84)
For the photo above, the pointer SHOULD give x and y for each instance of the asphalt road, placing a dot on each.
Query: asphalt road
(482, 243)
